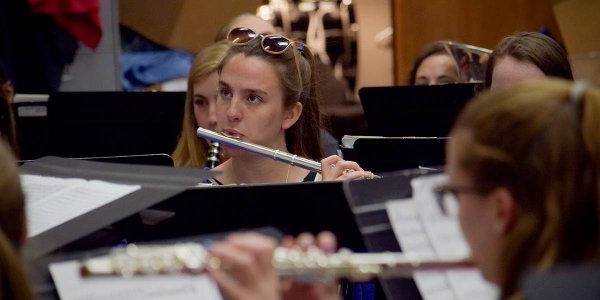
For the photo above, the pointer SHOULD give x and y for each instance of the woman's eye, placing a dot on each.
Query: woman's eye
(200, 102)
(224, 92)
(254, 99)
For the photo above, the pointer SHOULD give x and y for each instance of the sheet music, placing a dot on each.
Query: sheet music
(51, 201)
(424, 232)
(71, 286)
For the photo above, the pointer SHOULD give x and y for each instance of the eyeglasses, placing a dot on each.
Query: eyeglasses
(271, 43)
(442, 191)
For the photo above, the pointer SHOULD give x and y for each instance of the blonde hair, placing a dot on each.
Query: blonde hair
(191, 150)
(541, 141)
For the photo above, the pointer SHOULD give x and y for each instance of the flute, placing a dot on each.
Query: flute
(311, 266)
(282, 156)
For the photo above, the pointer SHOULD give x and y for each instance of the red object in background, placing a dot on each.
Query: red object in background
(78, 17)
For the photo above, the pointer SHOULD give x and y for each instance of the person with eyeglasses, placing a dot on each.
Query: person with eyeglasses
(524, 166)
(267, 96)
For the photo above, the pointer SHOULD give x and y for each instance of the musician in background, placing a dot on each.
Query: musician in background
(267, 96)
(13, 280)
(251, 21)
(8, 131)
(525, 56)
(434, 65)
(199, 110)
(524, 166)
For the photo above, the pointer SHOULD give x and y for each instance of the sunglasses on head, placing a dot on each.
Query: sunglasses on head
(271, 43)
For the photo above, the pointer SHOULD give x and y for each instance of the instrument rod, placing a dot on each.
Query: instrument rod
(278, 155)
(312, 265)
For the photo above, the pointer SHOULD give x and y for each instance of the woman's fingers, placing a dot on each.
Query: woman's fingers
(259, 246)
(237, 264)
(246, 270)
(230, 288)
(327, 241)
(336, 168)
(305, 240)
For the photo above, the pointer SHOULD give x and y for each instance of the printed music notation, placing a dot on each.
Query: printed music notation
(424, 232)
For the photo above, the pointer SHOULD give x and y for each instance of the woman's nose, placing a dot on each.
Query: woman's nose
(212, 116)
(233, 111)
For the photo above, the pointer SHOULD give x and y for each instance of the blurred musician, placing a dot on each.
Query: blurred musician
(199, 108)
(7, 120)
(524, 56)
(434, 65)
(13, 281)
(523, 164)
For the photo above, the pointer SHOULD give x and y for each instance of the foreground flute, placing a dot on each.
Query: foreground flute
(312, 265)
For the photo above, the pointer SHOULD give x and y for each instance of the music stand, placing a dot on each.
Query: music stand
(423, 111)
(387, 154)
(92, 124)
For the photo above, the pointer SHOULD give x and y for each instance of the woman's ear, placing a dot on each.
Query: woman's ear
(505, 210)
(292, 115)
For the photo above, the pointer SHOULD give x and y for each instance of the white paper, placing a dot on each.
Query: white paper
(51, 201)
(423, 231)
(71, 286)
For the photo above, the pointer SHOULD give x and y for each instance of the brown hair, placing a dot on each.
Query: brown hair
(12, 200)
(536, 48)
(8, 130)
(13, 281)
(544, 147)
(429, 50)
(297, 80)
(191, 150)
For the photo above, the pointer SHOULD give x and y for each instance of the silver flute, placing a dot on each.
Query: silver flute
(312, 265)
(278, 155)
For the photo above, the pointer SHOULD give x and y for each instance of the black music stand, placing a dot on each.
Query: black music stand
(354, 211)
(386, 154)
(154, 159)
(92, 124)
(424, 111)
(158, 184)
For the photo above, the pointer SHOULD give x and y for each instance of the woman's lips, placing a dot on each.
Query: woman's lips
(232, 133)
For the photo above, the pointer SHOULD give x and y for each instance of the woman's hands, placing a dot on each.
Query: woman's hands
(246, 270)
(292, 290)
(336, 168)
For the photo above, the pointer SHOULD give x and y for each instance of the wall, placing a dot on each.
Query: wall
(478, 22)
(375, 63)
(99, 69)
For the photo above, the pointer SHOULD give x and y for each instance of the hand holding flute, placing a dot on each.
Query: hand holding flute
(331, 168)
(248, 261)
